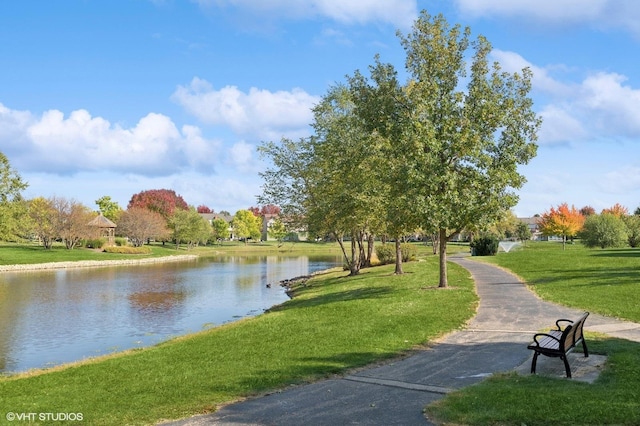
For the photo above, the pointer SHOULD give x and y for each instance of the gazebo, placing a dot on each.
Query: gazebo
(107, 228)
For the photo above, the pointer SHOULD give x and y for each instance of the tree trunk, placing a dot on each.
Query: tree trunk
(398, 257)
(443, 259)
(355, 258)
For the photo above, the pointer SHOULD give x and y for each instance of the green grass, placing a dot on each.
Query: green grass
(601, 281)
(333, 324)
(596, 280)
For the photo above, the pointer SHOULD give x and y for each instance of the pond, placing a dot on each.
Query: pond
(58, 316)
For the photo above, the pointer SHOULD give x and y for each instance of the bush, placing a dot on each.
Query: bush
(386, 253)
(95, 243)
(121, 242)
(408, 251)
(485, 246)
(127, 250)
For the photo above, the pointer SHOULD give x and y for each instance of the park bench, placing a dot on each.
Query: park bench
(558, 343)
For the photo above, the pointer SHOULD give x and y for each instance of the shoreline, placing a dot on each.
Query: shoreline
(96, 263)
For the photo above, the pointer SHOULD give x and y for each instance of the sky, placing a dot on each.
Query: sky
(111, 98)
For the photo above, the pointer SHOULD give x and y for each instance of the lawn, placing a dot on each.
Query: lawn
(602, 281)
(334, 323)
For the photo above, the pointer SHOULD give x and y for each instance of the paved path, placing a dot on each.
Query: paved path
(396, 393)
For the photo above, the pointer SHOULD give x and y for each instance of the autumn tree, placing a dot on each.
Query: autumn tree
(163, 201)
(140, 224)
(617, 210)
(71, 221)
(204, 209)
(563, 221)
(587, 211)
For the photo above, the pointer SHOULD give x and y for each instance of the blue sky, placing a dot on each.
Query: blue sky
(116, 97)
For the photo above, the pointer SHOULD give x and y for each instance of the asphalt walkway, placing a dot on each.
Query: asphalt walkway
(495, 340)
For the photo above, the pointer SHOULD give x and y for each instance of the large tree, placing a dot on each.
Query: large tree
(140, 224)
(189, 227)
(12, 207)
(109, 208)
(163, 201)
(470, 141)
(431, 154)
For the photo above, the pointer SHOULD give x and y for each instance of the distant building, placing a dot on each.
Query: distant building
(534, 227)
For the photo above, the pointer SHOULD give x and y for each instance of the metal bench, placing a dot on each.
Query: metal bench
(558, 343)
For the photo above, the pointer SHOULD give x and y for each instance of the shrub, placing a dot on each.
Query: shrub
(408, 251)
(386, 253)
(485, 246)
(121, 242)
(127, 250)
(95, 243)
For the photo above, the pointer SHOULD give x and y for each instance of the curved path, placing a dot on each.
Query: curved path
(495, 340)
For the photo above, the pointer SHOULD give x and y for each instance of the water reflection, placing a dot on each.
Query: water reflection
(52, 317)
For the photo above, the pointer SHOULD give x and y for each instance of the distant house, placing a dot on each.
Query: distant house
(210, 217)
(532, 223)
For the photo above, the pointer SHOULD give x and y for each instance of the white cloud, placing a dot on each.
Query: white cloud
(621, 181)
(241, 155)
(597, 13)
(54, 143)
(400, 13)
(542, 79)
(261, 113)
(602, 106)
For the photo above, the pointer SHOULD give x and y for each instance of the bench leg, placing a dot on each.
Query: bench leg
(584, 348)
(566, 366)
(533, 362)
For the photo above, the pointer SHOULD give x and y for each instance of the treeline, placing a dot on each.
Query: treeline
(153, 214)
(387, 158)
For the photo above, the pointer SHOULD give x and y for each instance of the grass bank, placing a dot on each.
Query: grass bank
(333, 324)
(601, 281)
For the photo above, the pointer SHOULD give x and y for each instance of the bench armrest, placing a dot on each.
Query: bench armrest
(562, 320)
(535, 338)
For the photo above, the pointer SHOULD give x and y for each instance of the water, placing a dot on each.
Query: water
(508, 245)
(53, 317)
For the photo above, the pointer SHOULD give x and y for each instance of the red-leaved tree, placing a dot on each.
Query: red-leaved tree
(163, 201)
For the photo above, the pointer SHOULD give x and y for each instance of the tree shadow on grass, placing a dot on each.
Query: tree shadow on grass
(361, 293)
(618, 253)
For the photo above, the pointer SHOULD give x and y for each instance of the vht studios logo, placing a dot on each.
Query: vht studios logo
(44, 417)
